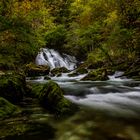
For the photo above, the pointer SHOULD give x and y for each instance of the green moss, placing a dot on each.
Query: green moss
(47, 78)
(12, 87)
(73, 74)
(35, 89)
(58, 71)
(52, 97)
(96, 75)
(6, 108)
(35, 70)
(81, 71)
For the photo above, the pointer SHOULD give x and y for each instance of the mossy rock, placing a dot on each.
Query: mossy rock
(58, 71)
(78, 71)
(96, 75)
(73, 74)
(32, 70)
(81, 71)
(7, 109)
(35, 89)
(47, 78)
(52, 98)
(12, 87)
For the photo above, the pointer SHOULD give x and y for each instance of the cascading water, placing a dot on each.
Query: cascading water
(54, 59)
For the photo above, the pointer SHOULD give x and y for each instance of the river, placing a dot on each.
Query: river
(109, 110)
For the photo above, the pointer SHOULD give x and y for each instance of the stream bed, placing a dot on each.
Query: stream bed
(109, 110)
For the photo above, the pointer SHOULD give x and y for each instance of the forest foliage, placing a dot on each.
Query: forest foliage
(92, 30)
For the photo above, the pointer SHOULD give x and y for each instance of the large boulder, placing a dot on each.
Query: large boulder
(78, 71)
(32, 70)
(7, 109)
(96, 75)
(81, 71)
(52, 98)
(59, 71)
(12, 87)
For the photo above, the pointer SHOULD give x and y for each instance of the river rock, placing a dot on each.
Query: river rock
(47, 78)
(58, 71)
(78, 71)
(12, 87)
(73, 74)
(81, 71)
(52, 98)
(96, 75)
(32, 70)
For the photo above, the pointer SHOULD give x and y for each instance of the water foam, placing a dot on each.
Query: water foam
(53, 59)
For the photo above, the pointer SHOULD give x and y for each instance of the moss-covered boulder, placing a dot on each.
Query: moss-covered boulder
(32, 70)
(96, 75)
(58, 71)
(52, 98)
(12, 87)
(47, 78)
(81, 71)
(73, 74)
(78, 71)
(7, 109)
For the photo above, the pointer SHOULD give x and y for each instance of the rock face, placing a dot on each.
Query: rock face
(6, 108)
(96, 75)
(12, 87)
(52, 98)
(35, 70)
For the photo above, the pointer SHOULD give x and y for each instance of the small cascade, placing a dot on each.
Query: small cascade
(54, 59)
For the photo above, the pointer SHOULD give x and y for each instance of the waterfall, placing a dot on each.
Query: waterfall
(53, 59)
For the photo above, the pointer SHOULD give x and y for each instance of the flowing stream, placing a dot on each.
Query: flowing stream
(109, 110)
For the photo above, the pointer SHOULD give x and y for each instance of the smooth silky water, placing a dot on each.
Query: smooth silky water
(109, 110)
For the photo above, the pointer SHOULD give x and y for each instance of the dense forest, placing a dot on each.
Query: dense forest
(94, 30)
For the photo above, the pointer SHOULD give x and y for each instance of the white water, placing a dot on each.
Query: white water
(117, 77)
(53, 59)
(116, 96)
(114, 103)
